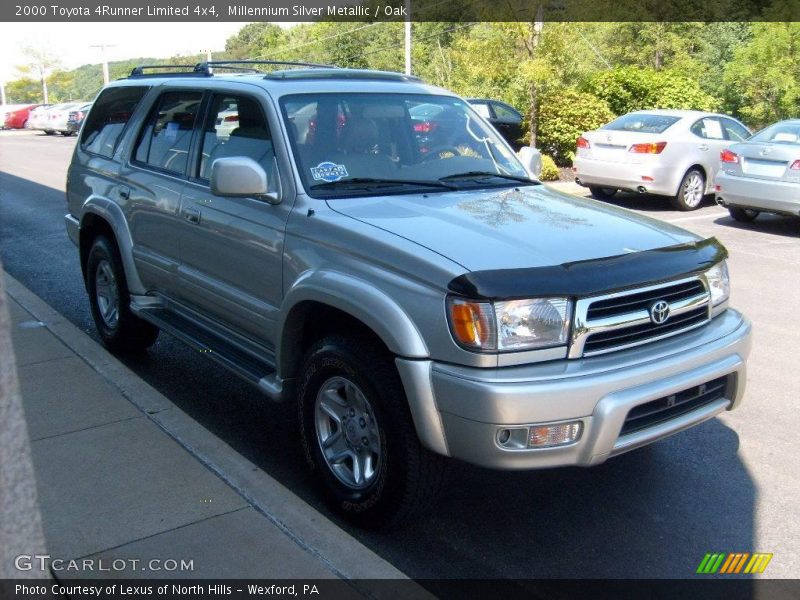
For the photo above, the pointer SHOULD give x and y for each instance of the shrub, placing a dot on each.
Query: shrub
(632, 88)
(563, 117)
(549, 169)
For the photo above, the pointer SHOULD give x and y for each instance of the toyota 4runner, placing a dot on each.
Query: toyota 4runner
(368, 247)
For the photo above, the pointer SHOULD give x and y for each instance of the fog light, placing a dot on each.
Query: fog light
(544, 436)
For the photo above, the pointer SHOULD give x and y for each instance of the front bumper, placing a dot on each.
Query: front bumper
(473, 405)
(780, 197)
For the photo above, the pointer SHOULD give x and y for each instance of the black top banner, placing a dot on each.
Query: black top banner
(398, 10)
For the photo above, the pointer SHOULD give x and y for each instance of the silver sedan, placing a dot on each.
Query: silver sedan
(671, 153)
(762, 174)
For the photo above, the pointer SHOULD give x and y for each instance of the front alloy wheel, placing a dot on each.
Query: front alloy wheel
(107, 294)
(347, 433)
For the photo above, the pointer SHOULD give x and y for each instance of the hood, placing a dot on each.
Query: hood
(531, 226)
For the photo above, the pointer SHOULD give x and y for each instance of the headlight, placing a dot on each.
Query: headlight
(719, 285)
(510, 325)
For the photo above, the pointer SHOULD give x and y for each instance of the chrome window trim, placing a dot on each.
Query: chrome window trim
(583, 328)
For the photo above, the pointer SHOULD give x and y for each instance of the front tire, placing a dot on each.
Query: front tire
(358, 435)
(602, 193)
(743, 215)
(691, 191)
(120, 330)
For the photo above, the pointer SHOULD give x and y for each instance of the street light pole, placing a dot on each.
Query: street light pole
(408, 36)
(105, 59)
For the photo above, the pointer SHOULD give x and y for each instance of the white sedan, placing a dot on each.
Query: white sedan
(671, 153)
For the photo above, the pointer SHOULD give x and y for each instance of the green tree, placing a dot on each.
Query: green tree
(764, 73)
(631, 88)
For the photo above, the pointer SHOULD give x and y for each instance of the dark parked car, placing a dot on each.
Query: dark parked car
(506, 119)
(76, 117)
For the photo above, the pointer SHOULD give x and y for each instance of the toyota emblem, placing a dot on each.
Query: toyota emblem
(659, 312)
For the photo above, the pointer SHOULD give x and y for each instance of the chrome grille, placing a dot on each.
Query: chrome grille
(622, 320)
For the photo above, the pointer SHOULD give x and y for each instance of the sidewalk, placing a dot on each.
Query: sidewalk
(123, 474)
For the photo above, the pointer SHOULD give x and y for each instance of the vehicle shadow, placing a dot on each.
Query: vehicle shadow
(651, 203)
(765, 223)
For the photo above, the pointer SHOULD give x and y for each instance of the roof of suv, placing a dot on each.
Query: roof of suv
(304, 79)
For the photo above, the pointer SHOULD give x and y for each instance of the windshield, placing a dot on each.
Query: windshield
(781, 133)
(351, 144)
(644, 123)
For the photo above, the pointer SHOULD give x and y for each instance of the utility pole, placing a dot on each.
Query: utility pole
(105, 59)
(208, 58)
(408, 37)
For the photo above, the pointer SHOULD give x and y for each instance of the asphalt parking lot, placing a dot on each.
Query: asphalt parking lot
(729, 485)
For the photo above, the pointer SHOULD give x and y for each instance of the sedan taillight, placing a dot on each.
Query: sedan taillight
(583, 142)
(649, 148)
(727, 156)
(795, 166)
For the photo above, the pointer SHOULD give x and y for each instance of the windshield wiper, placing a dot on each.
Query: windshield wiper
(374, 181)
(477, 174)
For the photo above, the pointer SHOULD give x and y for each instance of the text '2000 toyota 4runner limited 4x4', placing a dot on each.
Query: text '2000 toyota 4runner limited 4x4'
(368, 247)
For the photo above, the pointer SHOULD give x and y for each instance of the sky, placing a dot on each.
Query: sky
(72, 41)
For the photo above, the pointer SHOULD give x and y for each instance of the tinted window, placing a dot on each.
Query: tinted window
(780, 133)
(646, 123)
(236, 127)
(506, 112)
(108, 118)
(165, 138)
(735, 131)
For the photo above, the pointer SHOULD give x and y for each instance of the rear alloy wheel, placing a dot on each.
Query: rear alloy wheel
(358, 435)
(691, 191)
(120, 330)
(743, 215)
(602, 193)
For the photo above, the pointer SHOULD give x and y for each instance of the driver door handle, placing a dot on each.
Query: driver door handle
(703, 146)
(192, 215)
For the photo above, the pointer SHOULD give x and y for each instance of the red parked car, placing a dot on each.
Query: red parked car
(18, 119)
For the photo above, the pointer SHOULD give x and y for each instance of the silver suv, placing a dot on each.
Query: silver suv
(395, 272)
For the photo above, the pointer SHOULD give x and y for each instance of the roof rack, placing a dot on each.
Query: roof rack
(194, 72)
(231, 64)
(204, 69)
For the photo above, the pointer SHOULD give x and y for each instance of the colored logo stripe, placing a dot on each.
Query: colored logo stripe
(733, 563)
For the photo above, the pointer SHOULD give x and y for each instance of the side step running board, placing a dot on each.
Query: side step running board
(256, 371)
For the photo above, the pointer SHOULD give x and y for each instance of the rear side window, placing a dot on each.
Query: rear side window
(108, 118)
(642, 122)
(708, 128)
(166, 136)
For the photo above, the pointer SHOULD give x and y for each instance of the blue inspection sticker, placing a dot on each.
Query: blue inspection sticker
(328, 171)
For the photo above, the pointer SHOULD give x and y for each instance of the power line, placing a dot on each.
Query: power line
(417, 39)
(331, 37)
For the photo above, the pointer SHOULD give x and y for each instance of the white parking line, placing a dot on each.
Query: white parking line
(711, 215)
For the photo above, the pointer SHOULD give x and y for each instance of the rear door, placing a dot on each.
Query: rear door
(709, 140)
(508, 122)
(152, 183)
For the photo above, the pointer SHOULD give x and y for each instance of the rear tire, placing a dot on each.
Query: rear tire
(602, 193)
(358, 435)
(743, 215)
(691, 191)
(120, 330)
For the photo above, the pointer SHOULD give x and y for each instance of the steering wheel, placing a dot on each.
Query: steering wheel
(438, 151)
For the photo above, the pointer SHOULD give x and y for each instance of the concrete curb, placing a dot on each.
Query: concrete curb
(312, 531)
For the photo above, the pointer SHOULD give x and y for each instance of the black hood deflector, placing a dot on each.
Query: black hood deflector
(591, 277)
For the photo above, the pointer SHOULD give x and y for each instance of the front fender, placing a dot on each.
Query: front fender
(360, 299)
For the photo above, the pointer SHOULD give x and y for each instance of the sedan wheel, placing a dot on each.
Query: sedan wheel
(691, 191)
(743, 215)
